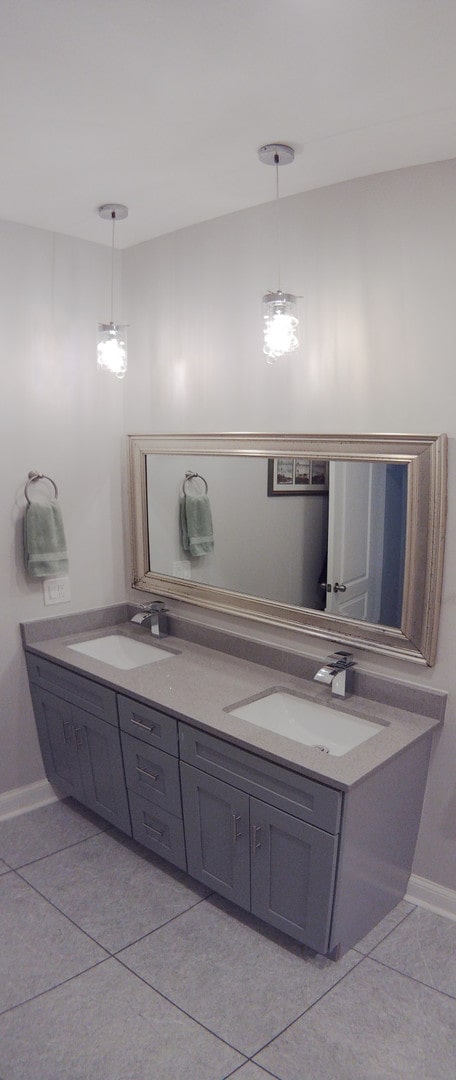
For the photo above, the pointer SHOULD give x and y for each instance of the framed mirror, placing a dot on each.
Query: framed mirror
(351, 550)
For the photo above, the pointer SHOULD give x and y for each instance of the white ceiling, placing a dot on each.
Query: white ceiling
(162, 104)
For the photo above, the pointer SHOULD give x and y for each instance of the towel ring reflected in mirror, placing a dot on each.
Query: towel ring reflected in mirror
(194, 476)
(33, 477)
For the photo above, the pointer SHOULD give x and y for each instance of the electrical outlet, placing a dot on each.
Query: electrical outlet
(56, 590)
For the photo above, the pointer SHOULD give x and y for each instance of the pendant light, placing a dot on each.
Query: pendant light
(280, 321)
(112, 348)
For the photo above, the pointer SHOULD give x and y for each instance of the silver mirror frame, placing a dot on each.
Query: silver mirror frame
(426, 458)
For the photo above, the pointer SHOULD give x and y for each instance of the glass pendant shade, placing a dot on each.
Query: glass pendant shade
(280, 324)
(112, 349)
(279, 308)
(112, 338)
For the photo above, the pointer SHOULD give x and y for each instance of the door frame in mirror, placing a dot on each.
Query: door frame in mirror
(426, 458)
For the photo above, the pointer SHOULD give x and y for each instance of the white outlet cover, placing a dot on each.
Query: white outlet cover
(56, 590)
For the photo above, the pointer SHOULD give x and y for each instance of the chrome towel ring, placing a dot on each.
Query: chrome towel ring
(32, 477)
(189, 475)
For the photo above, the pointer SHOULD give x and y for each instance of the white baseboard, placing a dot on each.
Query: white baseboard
(20, 800)
(428, 894)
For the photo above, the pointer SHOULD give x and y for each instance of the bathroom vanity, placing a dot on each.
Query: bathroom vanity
(317, 844)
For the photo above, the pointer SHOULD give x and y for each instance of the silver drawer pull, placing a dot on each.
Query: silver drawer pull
(144, 772)
(256, 841)
(236, 818)
(159, 833)
(79, 738)
(141, 724)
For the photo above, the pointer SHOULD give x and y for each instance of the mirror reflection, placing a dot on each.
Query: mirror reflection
(339, 537)
(324, 535)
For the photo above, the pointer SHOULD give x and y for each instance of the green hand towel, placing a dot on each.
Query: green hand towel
(196, 524)
(44, 540)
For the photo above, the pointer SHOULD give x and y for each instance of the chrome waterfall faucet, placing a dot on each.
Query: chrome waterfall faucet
(338, 673)
(153, 615)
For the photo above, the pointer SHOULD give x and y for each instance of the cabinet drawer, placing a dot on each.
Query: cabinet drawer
(158, 830)
(88, 695)
(152, 773)
(297, 794)
(149, 724)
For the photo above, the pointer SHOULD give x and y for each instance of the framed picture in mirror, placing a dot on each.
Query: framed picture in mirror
(297, 476)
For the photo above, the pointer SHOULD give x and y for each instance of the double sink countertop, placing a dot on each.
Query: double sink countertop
(213, 670)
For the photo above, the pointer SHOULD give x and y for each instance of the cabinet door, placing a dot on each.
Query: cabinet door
(216, 824)
(82, 756)
(103, 779)
(292, 874)
(57, 741)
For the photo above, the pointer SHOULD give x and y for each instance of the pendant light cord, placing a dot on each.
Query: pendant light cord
(113, 218)
(277, 217)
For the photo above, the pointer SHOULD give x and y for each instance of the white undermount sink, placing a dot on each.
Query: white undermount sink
(308, 722)
(121, 651)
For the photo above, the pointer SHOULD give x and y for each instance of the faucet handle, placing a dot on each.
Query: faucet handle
(341, 659)
(159, 618)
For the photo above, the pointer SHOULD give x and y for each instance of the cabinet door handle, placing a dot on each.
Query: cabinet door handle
(144, 772)
(67, 731)
(256, 838)
(79, 738)
(141, 724)
(236, 818)
(157, 832)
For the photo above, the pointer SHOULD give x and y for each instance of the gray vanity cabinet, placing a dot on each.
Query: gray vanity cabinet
(81, 749)
(321, 864)
(260, 852)
(150, 751)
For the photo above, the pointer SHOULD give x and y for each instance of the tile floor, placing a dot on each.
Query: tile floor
(115, 966)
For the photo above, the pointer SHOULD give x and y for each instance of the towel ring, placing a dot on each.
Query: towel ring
(32, 477)
(194, 476)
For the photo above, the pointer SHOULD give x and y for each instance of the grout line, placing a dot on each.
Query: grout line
(65, 916)
(412, 978)
(276, 1036)
(261, 1069)
(417, 929)
(309, 1008)
(56, 986)
(184, 1012)
(154, 929)
(49, 854)
(406, 915)
(109, 952)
